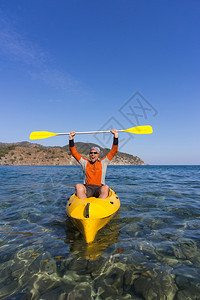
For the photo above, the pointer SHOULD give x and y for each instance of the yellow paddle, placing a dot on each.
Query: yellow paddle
(36, 135)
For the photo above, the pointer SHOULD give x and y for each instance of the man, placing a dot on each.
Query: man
(94, 169)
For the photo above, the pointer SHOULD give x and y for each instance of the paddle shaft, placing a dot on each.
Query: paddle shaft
(90, 132)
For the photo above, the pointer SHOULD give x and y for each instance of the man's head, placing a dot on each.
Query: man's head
(94, 154)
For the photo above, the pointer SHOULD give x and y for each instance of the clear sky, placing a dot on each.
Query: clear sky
(90, 65)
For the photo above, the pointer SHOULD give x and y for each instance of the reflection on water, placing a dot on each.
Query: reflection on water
(105, 237)
(150, 250)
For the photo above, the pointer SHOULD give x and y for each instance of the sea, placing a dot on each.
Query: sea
(149, 250)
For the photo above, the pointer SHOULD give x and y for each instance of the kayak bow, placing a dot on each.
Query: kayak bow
(89, 215)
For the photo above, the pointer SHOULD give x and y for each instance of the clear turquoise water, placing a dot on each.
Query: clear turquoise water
(150, 250)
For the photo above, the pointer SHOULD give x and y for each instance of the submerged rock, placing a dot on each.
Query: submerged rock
(130, 276)
(80, 292)
(110, 284)
(188, 294)
(188, 282)
(161, 287)
(8, 286)
(58, 293)
(97, 267)
(77, 265)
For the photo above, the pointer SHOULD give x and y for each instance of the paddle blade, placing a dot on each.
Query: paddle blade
(147, 129)
(37, 135)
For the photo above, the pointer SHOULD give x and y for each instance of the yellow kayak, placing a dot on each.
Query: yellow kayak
(91, 214)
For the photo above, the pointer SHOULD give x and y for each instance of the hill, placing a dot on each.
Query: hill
(25, 153)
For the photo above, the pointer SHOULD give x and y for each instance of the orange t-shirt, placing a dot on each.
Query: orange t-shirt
(94, 173)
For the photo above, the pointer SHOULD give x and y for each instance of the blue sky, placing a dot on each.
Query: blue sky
(90, 65)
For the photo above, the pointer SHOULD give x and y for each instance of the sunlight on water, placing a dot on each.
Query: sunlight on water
(150, 250)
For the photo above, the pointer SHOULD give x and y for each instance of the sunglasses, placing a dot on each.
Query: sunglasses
(93, 152)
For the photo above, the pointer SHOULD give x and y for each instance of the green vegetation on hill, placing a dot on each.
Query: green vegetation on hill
(5, 149)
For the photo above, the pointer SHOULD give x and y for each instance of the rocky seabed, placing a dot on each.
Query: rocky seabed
(145, 272)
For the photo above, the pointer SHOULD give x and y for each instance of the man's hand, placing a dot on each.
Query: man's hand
(71, 135)
(115, 132)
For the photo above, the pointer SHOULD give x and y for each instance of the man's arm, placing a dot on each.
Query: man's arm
(72, 147)
(114, 149)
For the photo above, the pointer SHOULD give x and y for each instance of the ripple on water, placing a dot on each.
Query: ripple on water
(150, 250)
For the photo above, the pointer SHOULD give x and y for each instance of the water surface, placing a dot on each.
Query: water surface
(150, 250)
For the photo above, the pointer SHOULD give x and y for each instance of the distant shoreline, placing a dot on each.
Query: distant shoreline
(32, 154)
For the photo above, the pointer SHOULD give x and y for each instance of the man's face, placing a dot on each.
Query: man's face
(94, 155)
